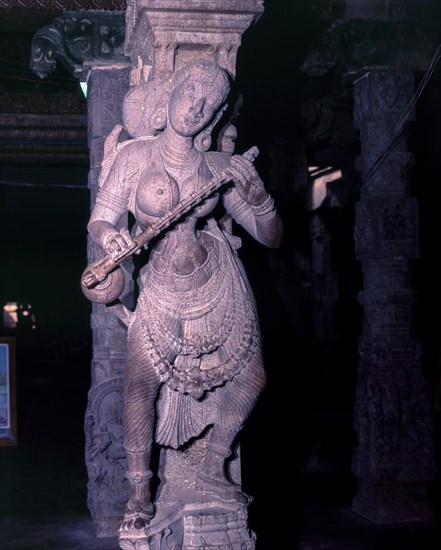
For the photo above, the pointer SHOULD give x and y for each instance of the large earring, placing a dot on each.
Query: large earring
(203, 140)
(159, 119)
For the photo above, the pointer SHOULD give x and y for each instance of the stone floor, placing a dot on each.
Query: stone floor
(43, 486)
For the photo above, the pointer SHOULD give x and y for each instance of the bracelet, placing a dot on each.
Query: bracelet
(264, 208)
(110, 200)
(238, 208)
(139, 478)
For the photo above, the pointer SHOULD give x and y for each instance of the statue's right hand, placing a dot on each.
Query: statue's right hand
(117, 244)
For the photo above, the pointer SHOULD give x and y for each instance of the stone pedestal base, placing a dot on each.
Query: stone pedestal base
(392, 502)
(191, 519)
(197, 526)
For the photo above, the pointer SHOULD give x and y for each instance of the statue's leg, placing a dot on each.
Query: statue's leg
(140, 392)
(139, 475)
(235, 401)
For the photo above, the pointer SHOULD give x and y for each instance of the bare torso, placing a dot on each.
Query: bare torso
(184, 249)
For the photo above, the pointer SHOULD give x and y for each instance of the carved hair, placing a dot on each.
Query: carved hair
(144, 108)
(206, 72)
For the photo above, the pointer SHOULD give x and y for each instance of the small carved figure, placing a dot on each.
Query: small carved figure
(194, 347)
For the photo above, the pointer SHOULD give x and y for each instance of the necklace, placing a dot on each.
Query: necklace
(177, 162)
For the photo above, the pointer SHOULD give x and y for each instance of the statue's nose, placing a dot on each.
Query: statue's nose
(199, 107)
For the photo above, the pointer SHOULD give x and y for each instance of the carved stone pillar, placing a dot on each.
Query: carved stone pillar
(90, 45)
(387, 42)
(105, 456)
(161, 37)
(394, 460)
(167, 34)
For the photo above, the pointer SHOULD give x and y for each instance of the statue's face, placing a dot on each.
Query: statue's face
(192, 106)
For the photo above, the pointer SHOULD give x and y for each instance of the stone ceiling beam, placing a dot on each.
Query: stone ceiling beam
(41, 5)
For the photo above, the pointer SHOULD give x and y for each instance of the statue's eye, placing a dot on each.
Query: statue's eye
(189, 89)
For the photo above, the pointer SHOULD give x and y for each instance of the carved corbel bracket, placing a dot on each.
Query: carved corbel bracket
(77, 37)
(166, 34)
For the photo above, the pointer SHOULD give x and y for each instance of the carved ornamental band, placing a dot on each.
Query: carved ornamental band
(65, 4)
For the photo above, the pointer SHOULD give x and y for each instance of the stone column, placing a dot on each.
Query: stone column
(161, 37)
(90, 45)
(105, 455)
(394, 460)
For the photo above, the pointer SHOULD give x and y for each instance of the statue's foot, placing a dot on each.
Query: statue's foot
(131, 533)
(221, 488)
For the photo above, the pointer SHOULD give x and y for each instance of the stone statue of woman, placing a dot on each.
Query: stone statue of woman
(194, 347)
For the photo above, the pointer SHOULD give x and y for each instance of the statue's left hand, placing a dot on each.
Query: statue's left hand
(247, 181)
(117, 244)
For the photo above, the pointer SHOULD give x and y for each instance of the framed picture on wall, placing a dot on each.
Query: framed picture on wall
(8, 399)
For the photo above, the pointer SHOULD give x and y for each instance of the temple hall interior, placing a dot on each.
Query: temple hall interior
(343, 450)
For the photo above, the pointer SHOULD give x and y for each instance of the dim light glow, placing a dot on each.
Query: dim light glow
(17, 315)
(320, 177)
(84, 88)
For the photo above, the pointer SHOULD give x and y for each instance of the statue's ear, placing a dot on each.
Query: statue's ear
(159, 119)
